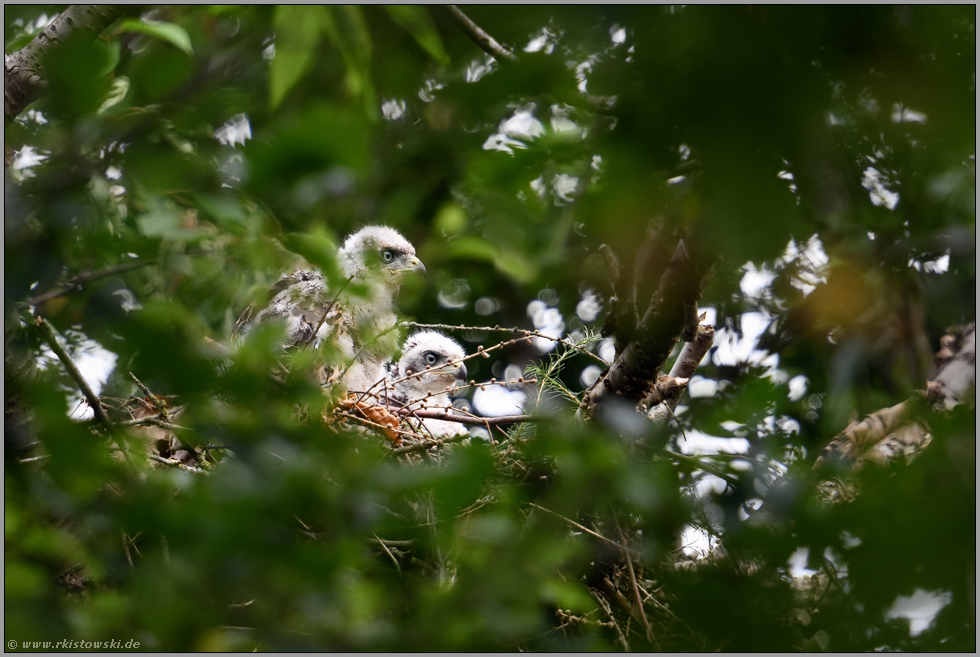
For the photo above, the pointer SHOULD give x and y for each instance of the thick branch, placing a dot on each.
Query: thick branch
(891, 432)
(958, 376)
(684, 367)
(23, 71)
(486, 42)
(634, 372)
(649, 264)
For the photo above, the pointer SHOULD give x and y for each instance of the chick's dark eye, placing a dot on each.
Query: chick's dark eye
(430, 358)
(387, 256)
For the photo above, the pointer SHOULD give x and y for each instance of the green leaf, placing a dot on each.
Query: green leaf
(297, 32)
(173, 34)
(164, 220)
(451, 219)
(112, 50)
(566, 595)
(818, 642)
(475, 248)
(222, 10)
(346, 28)
(416, 20)
(18, 42)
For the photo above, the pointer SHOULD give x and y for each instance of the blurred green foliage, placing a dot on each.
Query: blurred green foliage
(219, 144)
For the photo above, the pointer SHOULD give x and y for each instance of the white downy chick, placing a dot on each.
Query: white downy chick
(359, 319)
(431, 364)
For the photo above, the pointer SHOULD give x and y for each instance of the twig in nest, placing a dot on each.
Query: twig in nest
(587, 530)
(617, 596)
(388, 552)
(500, 420)
(147, 419)
(423, 446)
(390, 431)
(177, 464)
(636, 586)
(159, 404)
(612, 619)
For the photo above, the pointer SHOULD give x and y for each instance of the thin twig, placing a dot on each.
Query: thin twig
(149, 419)
(478, 421)
(701, 465)
(605, 607)
(618, 598)
(176, 464)
(166, 425)
(636, 587)
(486, 42)
(153, 399)
(365, 421)
(653, 598)
(588, 531)
(499, 329)
(421, 447)
(129, 557)
(76, 282)
(384, 541)
(327, 311)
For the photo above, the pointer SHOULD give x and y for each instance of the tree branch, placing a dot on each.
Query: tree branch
(684, 367)
(585, 529)
(958, 376)
(486, 42)
(422, 446)
(23, 71)
(500, 420)
(633, 374)
(51, 337)
(76, 282)
(892, 432)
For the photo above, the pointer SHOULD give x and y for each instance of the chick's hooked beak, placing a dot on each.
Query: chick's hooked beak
(460, 371)
(414, 264)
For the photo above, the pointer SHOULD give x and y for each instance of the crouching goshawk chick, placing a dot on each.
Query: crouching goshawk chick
(358, 320)
(430, 365)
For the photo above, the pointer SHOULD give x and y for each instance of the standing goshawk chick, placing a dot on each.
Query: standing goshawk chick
(435, 363)
(358, 319)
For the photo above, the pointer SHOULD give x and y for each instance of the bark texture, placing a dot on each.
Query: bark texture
(642, 351)
(23, 74)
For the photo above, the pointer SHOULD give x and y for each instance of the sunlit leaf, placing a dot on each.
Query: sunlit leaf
(172, 33)
(344, 25)
(297, 33)
(416, 20)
